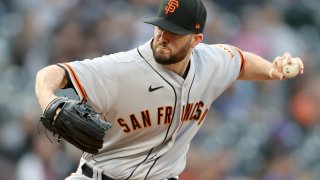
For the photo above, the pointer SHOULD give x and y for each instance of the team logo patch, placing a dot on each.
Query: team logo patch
(225, 48)
(172, 6)
(197, 26)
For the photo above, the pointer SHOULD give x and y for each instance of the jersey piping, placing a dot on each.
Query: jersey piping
(76, 82)
(151, 167)
(69, 82)
(241, 58)
(174, 109)
(171, 122)
(187, 98)
(139, 164)
(175, 101)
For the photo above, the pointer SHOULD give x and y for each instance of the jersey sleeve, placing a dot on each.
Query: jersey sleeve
(228, 63)
(93, 80)
(69, 82)
(233, 53)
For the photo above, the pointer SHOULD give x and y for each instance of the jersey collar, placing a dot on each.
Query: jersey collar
(146, 50)
(147, 53)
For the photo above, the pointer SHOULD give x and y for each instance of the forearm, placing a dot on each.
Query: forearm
(257, 68)
(48, 81)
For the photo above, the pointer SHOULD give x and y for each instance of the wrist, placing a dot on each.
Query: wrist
(44, 100)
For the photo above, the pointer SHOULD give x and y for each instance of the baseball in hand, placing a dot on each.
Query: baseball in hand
(290, 70)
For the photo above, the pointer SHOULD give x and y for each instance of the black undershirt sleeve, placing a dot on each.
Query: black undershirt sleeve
(69, 84)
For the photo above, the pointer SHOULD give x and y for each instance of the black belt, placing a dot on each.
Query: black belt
(87, 171)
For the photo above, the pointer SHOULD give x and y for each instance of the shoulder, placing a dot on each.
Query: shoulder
(217, 50)
(108, 63)
(130, 56)
(120, 57)
(215, 47)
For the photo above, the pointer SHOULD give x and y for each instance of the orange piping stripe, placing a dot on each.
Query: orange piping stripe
(74, 76)
(242, 59)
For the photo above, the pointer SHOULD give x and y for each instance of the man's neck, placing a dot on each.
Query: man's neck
(181, 67)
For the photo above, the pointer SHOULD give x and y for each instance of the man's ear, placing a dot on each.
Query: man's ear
(197, 39)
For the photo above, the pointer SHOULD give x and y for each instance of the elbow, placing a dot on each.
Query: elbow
(40, 74)
(52, 70)
(52, 73)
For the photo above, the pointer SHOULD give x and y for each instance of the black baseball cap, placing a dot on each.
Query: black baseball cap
(180, 16)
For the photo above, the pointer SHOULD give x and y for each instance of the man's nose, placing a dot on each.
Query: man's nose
(163, 35)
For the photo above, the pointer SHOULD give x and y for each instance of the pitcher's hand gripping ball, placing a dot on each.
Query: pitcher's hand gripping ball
(77, 123)
(290, 70)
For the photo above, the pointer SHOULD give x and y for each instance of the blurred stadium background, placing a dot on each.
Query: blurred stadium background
(264, 130)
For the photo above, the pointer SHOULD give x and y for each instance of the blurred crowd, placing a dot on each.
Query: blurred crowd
(255, 130)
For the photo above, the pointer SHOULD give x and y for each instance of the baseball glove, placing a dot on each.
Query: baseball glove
(77, 123)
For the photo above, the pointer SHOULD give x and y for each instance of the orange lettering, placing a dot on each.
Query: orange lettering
(194, 107)
(203, 116)
(226, 49)
(172, 6)
(187, 112)
(122, 123)
(167, 118)
(198, 112)
(146, 118)
(134, 122)
(160, 114)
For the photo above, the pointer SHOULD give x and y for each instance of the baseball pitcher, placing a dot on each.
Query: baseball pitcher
(138, 110)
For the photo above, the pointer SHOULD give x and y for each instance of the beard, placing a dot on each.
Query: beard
(164, 55)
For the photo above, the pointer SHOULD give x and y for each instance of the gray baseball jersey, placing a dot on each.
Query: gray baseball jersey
(155, 113)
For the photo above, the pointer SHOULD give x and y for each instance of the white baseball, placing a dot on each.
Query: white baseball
(290, 70)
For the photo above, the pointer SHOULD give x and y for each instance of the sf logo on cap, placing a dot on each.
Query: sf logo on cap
(172, 6)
